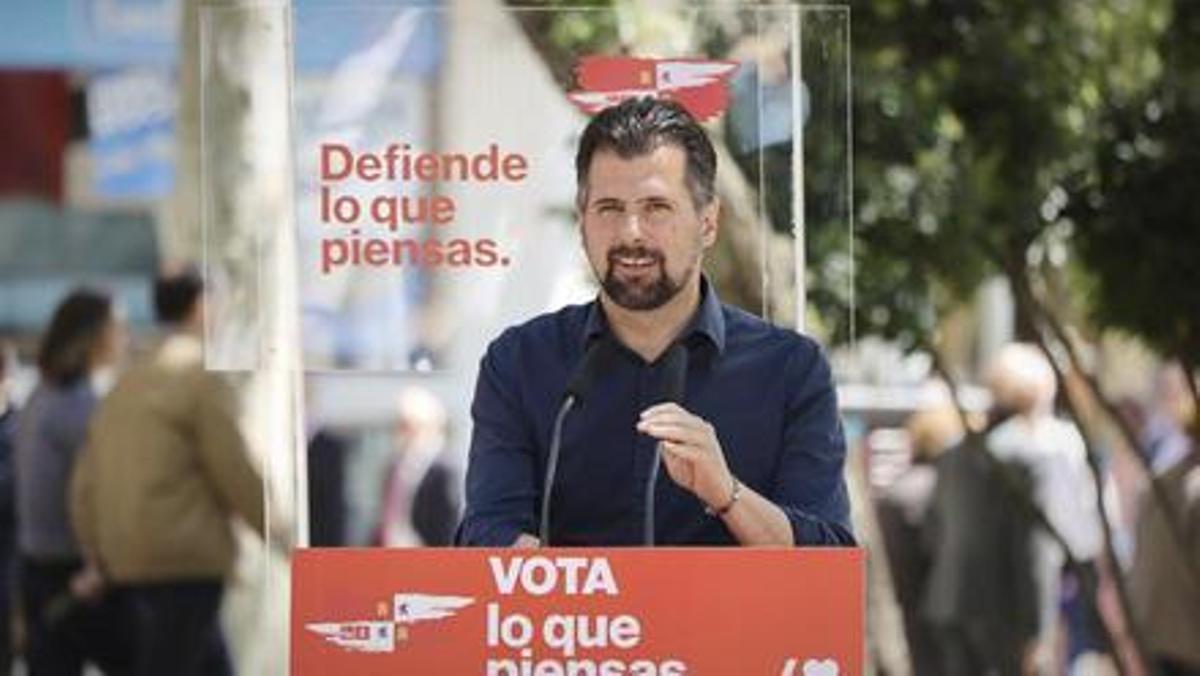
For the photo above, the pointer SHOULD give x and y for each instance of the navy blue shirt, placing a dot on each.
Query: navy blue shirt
(767, 391)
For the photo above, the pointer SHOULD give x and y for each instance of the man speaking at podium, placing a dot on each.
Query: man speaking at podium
(573, 409)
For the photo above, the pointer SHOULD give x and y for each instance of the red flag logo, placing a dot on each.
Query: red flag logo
(699, 85)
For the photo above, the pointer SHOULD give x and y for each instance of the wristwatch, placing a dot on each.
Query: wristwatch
(733, 498)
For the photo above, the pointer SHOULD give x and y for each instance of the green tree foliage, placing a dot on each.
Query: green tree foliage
(970, 120)
(1137, 212)
(990, 137)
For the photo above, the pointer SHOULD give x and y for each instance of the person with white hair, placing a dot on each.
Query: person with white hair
(1023, 384)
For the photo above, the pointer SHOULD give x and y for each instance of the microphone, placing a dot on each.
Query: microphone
(675, 365)
(589, 368)
(577, 390)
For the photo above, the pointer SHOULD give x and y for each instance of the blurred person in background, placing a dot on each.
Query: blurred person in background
(76, 357)
(902, 519)
(1164, 435)
(165, 471)
(1165, 595)
(327, 507)
(8, 518)
(1023, 382)
(981, 596)
(420, 507)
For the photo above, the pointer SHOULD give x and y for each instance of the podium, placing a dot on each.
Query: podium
(575, 612)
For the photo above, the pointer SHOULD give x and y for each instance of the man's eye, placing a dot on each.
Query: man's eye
(660, 207)
(608, 208)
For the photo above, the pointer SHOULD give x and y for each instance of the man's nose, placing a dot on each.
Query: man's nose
(633, 226)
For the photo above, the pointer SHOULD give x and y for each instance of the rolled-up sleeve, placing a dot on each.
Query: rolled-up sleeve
(501, 490)
(810, 486)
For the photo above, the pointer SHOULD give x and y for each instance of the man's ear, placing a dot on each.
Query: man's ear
(710, 221)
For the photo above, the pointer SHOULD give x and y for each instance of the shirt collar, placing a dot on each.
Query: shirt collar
(708, 322)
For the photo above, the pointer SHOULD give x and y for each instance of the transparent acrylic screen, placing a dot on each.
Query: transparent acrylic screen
(386, 189)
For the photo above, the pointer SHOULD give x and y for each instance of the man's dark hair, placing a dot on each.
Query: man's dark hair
(175, 295)
(637, 127)
(65, 351)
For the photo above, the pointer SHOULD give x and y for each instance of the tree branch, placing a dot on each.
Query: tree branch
(1174, 522)
(1037, 314)
(1189, 376)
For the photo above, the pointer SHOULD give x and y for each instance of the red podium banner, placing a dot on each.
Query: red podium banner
(578, 612)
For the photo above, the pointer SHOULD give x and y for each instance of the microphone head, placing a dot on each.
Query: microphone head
(675, 366)
(588, 369)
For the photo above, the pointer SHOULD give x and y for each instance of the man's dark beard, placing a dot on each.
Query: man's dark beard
(638, 296)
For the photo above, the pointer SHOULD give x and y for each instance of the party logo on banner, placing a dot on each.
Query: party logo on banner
(380, 636)
(699, 85)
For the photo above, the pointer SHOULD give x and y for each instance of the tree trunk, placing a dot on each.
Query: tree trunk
(1189, 377)
(1043, 314)
(1132, 649)
(233, 211)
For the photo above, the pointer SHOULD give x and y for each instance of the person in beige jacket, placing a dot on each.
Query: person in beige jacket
(153, 496)
(1166, 598)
